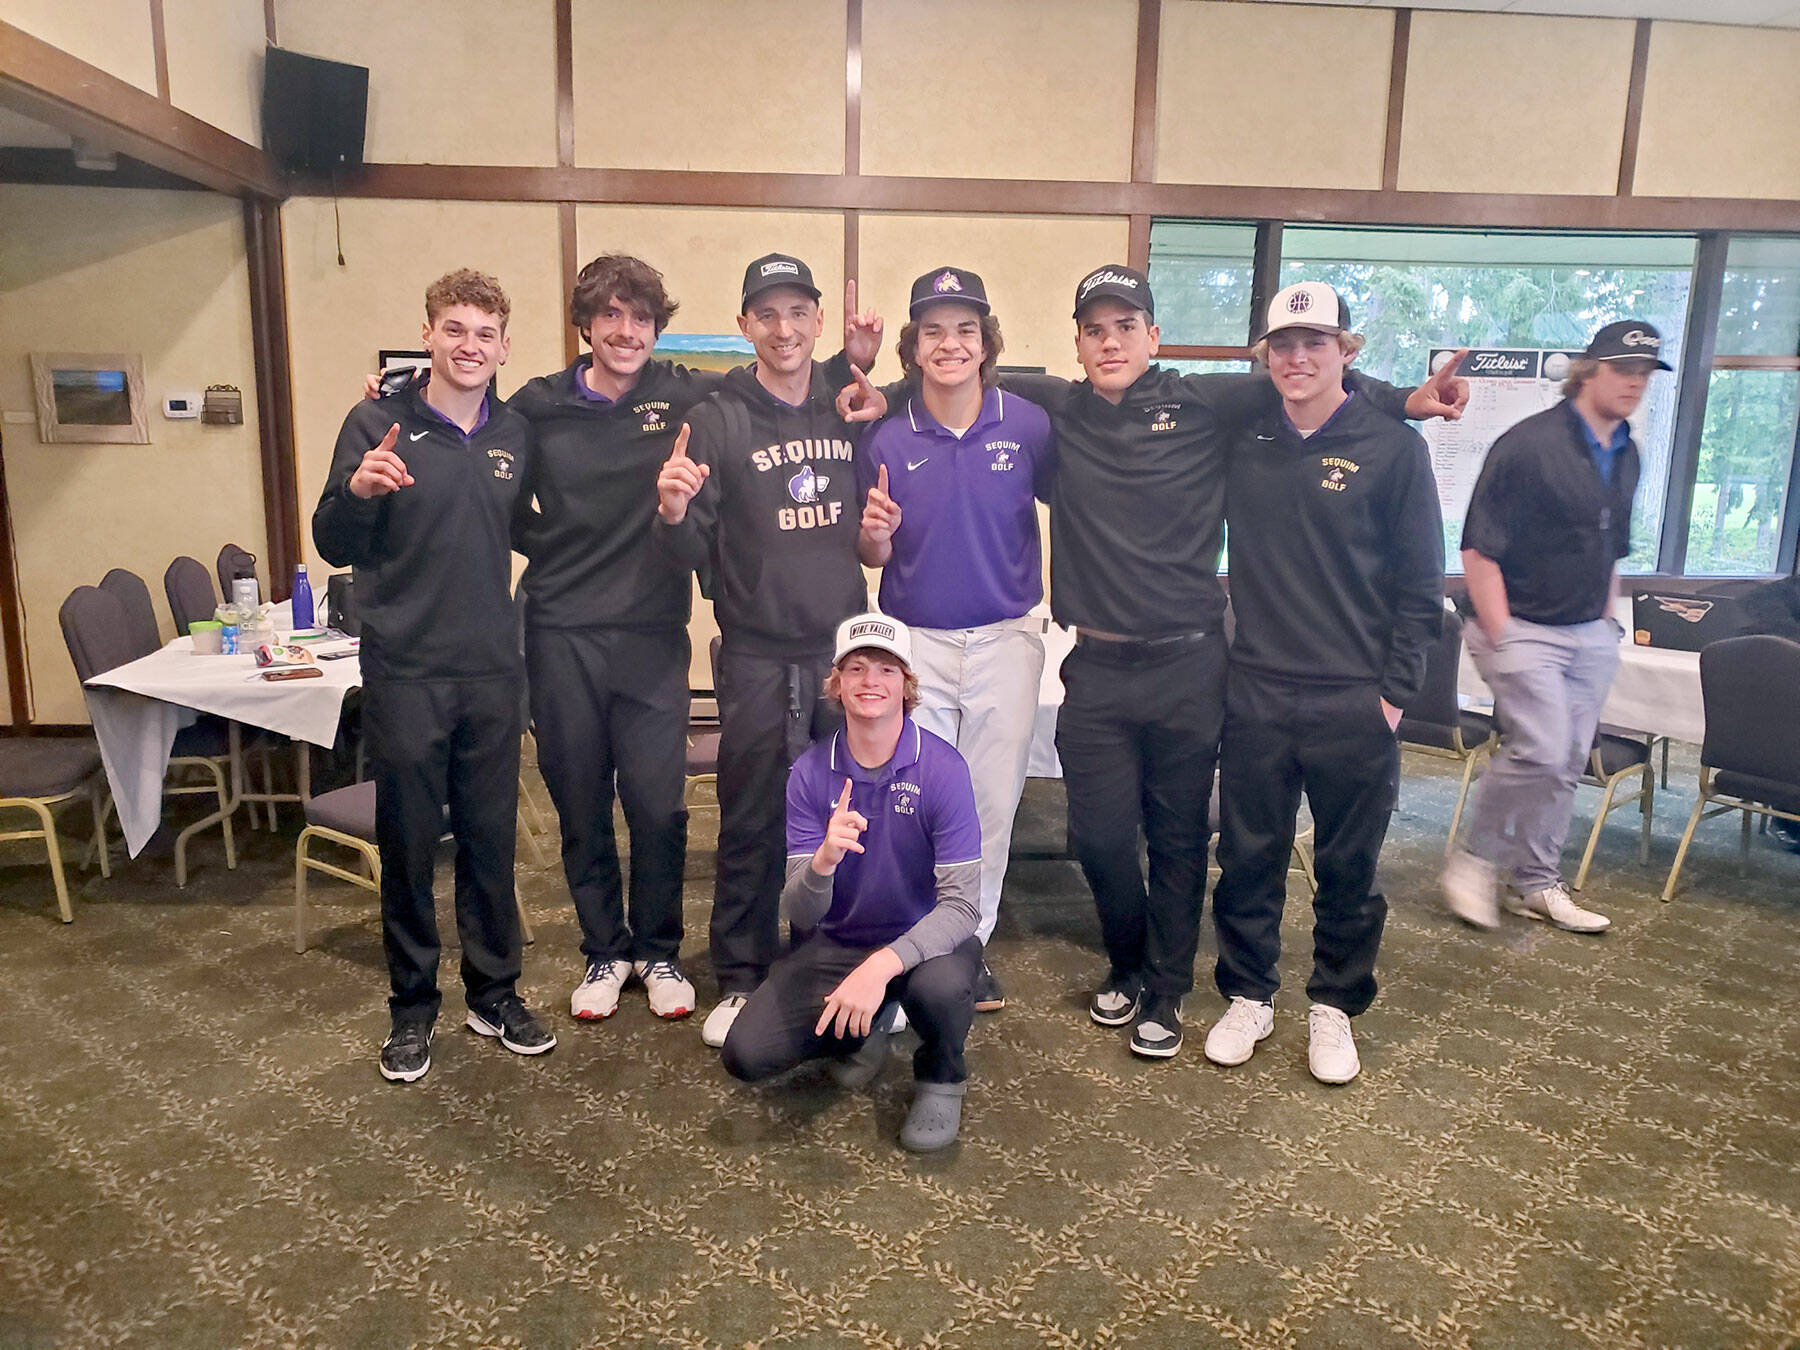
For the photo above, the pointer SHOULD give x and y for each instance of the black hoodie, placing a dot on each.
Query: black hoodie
(433, 560)
(777, 517)
(1337, 551)
(595, 482)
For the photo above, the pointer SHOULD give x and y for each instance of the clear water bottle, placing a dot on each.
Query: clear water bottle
(304, 613)
(244, 593)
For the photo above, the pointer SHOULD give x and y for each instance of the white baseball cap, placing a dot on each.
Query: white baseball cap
(1308, 304)
(874, 630)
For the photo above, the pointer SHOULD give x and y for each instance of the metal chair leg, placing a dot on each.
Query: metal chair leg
(1744, 847)
(54, 849)
(300, 860)
(1587, 856)
(1462, 797)
(1687, 837)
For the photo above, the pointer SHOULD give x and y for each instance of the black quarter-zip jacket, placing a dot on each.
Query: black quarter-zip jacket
(1337, 551)
(1137, 510)
(433, 560)
(777, 517)
(589, 541)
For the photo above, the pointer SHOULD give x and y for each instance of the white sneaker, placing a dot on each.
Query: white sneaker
(719, 1020)
(1233, 1037)
(597, 995)
(1555, 904)
(1469, 889)
(671, 993)
(1331, 1049)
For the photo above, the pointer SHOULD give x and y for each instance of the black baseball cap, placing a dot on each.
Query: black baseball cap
(1627, 338)
(1115, 281)
(772, 270)
(948, 283)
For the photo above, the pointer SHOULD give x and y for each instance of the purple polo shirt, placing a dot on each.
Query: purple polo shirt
(967, 550)
(921, 812)
(581, 384)
(481, 417)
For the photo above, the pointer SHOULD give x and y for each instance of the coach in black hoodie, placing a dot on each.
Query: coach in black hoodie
(421, 500)
(1337, 581)
(762, 492)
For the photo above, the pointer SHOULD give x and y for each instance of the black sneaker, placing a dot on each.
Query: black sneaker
(1116, 1002)
(1157, 1034)
(510, 1020)
(989, 997)
(406, 1053)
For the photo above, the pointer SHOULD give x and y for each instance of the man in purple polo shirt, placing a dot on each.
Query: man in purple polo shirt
(883, 872)
(952, 481)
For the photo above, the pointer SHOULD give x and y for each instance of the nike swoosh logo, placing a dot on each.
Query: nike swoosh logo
(418, 435)
(910, 465)
(1265, 438)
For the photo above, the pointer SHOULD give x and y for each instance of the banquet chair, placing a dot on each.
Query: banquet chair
(189, 591)
(1750, 760)
(346, 817)
(233, 562)
(98, 634)
(37, 773)
(133, 595)
(1435, 723)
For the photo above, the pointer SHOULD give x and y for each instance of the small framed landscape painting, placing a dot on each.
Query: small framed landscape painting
(91, 397)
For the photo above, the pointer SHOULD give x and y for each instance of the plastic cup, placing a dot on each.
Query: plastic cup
(208, 637)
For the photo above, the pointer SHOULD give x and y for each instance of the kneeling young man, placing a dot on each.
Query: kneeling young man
(1337, 577)
(884, 868)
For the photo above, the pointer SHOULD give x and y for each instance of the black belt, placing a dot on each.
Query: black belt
(1134, 651)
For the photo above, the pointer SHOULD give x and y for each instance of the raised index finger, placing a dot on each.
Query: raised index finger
(393, 435)
(681, 441)
(881, 481)
(1449, 367)
(844, 796)
(850, 297)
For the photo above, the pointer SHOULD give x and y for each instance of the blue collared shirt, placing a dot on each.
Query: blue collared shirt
(967, 550)
(1602, 455)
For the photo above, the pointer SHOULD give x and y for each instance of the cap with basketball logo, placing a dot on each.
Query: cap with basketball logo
(1308, 304)
(776, 269)
(873, 630)
(947, 283)
(1626, 339)
(1115, 281)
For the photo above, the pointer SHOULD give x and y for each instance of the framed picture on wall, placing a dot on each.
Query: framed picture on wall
(92, 397)
(395, 358)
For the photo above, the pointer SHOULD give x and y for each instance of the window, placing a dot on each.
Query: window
(1412, 290)
(1201, 275)
(1747, 444)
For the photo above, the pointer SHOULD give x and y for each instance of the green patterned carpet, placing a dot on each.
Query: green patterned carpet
(1556, 1141)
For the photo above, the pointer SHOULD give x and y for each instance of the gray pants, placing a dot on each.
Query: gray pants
(1548, 682)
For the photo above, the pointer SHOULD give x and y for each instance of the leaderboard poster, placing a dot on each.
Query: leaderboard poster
(1506, 385)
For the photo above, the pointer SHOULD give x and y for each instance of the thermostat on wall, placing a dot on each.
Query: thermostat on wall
(177, 407)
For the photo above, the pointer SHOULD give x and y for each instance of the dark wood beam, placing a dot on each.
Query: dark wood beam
(1137, 249)
(565, 82)
(1143, 108)
(1396, 104)
(1265, 273)
(49, 85)
(56, 168)
(853, 72)
(1170, 351)
(274, 390)
(853, 64)
(159, 43)
(571, 268)
(1006, 196)
(12, 626)
(1634, 107)
(269, 22)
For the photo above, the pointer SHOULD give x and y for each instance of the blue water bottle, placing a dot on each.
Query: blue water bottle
(302, 603)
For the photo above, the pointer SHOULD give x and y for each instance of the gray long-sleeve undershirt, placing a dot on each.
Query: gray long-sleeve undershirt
(941, 930)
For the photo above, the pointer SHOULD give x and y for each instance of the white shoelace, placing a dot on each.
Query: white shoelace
(661, 970)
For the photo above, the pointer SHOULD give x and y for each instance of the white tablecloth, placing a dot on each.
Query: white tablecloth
(1656, 691)
(1058, 643)
(138, 707)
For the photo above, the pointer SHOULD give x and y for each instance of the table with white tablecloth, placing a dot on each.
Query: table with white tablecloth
(138, 707)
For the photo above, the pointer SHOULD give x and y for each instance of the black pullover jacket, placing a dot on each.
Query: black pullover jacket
(1337, 551)
(589, 541)
(433, 561)
(776, 521)
(1137, 511)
